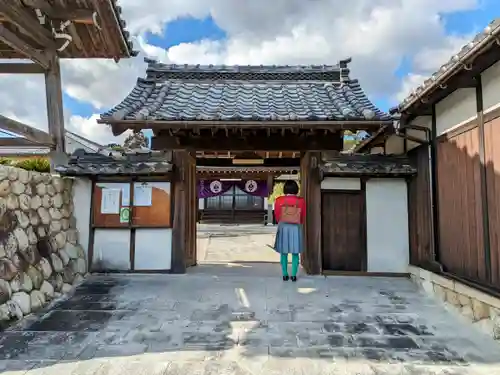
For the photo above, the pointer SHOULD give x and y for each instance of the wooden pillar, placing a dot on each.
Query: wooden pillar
(311, 190)
(54, 97)
(185, 203)
(483, 177)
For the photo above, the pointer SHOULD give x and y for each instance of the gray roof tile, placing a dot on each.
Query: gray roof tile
(239, 93)
(369, 165)
(83, 163)
(489, 33)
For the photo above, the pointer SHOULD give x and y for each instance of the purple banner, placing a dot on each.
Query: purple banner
(213, 188)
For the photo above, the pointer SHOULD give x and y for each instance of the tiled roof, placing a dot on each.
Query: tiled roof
(369, 165)
(246, 93)
(82, 163)
(456, 61)
(126, 35)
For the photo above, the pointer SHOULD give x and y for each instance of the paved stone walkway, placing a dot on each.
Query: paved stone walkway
(240, 324)
(235, 244)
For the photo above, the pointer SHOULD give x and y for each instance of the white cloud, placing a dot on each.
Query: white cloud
(375, 33)
(428, 60)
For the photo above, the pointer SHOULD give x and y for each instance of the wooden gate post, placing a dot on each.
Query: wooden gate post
(54, 98)
(185, 210)
(310, 184)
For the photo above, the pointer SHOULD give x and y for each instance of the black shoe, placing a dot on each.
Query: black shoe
(285, 278)
(294, 278)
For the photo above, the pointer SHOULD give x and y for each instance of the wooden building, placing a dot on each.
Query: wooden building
(251, 123)
(454, 201)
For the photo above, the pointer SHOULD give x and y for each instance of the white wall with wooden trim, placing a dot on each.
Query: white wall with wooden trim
(490, 80)
(340, 183)
(387, 225)
(453, 111)
(82, 200)
(140, 241)
(386, 215)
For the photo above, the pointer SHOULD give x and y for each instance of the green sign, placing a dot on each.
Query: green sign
(124, 215)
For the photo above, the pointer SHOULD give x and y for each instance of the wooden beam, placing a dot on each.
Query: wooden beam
(30, 133)
(58, 13)
(54, 97)
(16, 43)
(314, 142)
(27, 23)
(21, 68)
(106, 34)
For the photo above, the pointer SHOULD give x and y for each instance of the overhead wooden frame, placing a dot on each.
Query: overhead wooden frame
(83, 29)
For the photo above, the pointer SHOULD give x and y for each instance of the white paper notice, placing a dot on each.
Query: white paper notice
(126, 195)
(110, 201)
(143, 195)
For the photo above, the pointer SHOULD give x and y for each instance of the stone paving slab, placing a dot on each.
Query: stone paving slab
(239, 324)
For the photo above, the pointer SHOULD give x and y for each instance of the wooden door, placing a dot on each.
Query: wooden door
(343, 231)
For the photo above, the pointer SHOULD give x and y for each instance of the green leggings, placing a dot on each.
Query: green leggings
(284, 264)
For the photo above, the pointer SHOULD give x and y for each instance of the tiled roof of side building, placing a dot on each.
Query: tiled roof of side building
(241, 93)
(489, 34)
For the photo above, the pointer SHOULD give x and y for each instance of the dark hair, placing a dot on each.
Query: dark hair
(291, 187)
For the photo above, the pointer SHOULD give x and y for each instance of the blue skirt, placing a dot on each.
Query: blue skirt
(289, 239)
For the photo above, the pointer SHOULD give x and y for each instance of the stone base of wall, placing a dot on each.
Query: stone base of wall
(40, 255)
(481, 309)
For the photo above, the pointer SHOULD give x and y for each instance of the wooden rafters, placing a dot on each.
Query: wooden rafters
(249, 141)
(74, 29)
(13, 41)
(58, 13)
(24, 21)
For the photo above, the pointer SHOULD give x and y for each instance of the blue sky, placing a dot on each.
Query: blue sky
(185, 30)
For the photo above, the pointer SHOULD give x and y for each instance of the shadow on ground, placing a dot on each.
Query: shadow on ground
(249, 323)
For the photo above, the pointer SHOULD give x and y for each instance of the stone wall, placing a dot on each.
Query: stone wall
(481, 309)
(39, 253)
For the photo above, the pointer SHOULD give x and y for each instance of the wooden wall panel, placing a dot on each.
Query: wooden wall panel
(420, 210)
(460, 214)
(343, 231)
(492, 160)
(159, 213)
(107, 220)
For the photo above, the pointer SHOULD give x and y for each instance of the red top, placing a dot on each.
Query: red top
(290, 200)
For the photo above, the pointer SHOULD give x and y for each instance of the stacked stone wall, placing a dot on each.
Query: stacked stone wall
(40, 257)
(482, 310)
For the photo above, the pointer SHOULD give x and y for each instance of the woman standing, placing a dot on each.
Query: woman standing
(290, 211)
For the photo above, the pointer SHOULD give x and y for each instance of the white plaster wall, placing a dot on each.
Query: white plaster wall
(387, 225)
(425, 121)
(111, 250)
(153, 249)
(340, 183)
(394, 145)
(201, 203)
(455, 110)
(82, 197)
(490, 79)
(376, 150)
